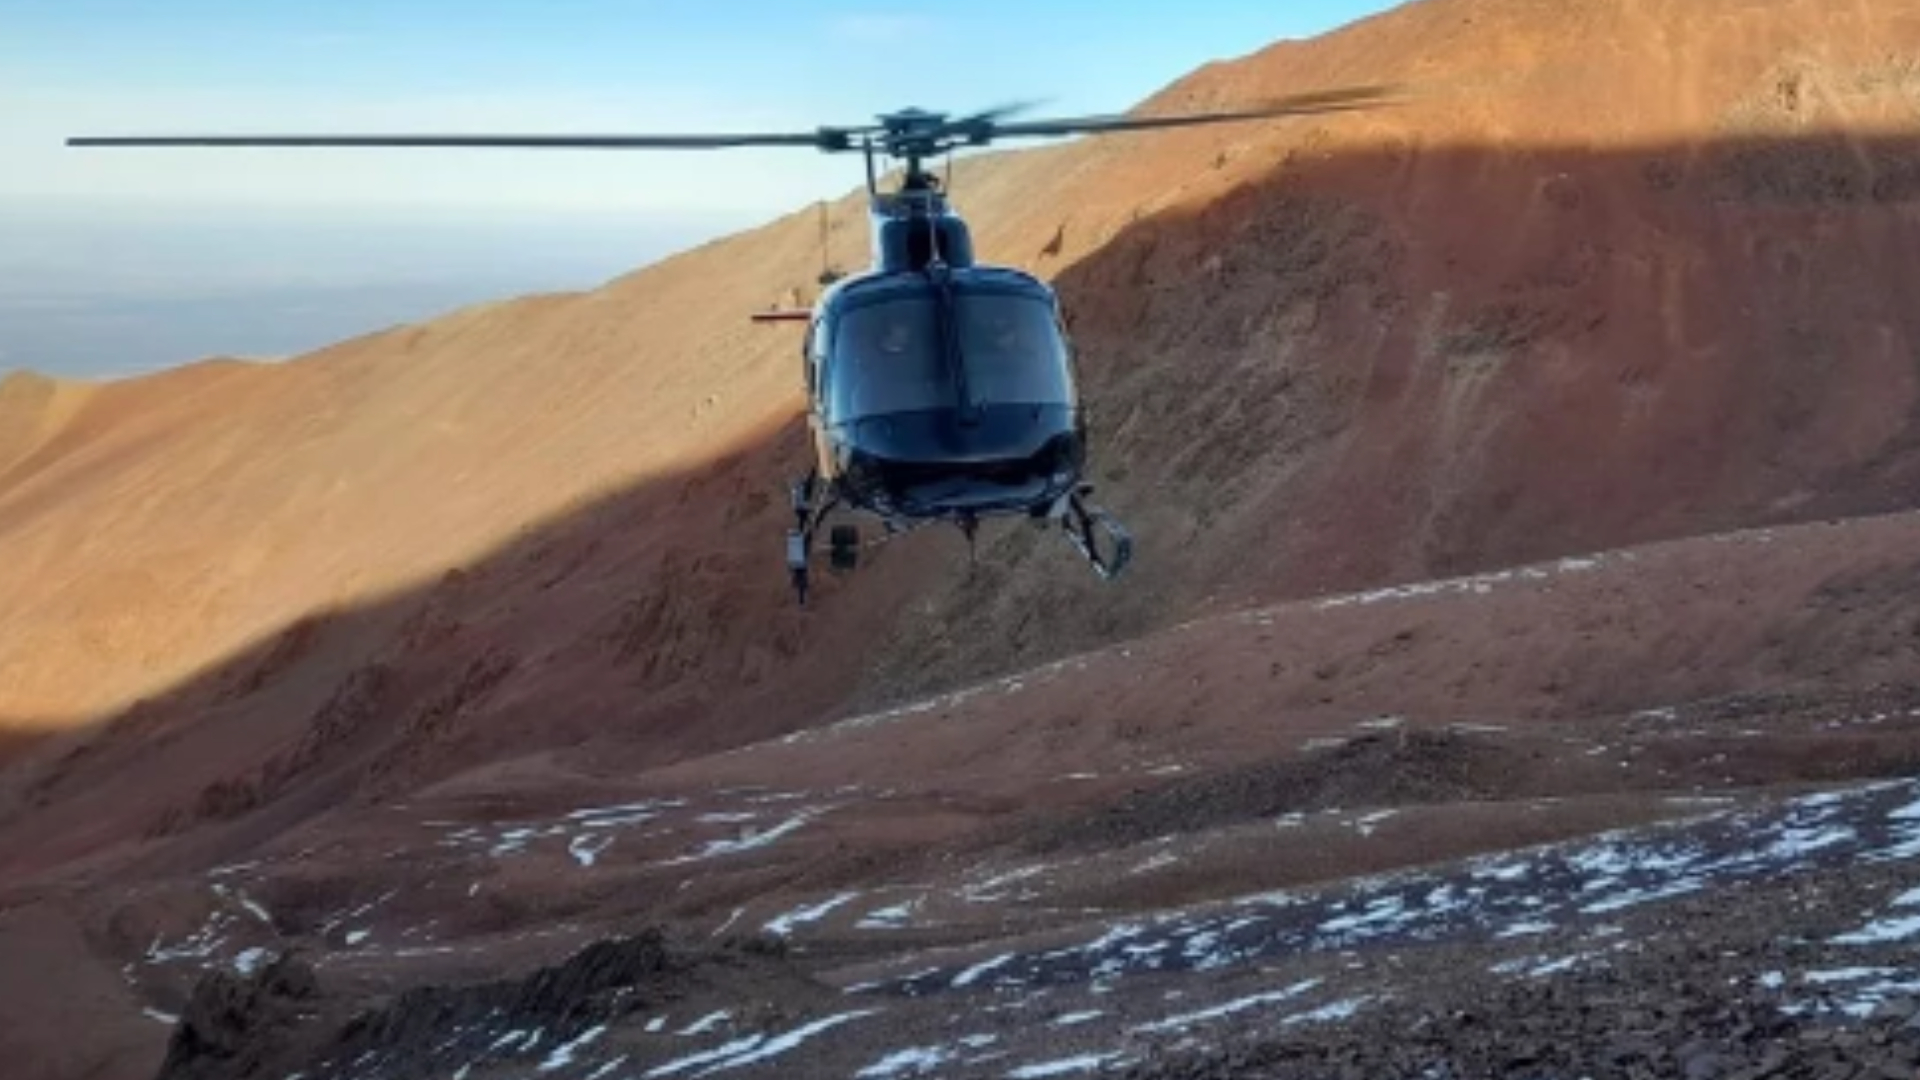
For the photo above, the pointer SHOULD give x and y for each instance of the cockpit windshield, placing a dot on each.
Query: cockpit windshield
(890, 356)
(1013, 350)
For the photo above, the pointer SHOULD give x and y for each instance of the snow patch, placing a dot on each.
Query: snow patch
(254, 909)
(889, 918)
(1881, 930)
(248, 961)
(754, 1048)
(233, 868)
(706, 1023)
(562, 1056)
(1156, 861)
(1185, 1020)
(1515, 894)
(1539, 967)
(912, 1061)
(202, 944)
(971, 975)
(1852, 974)
(1631, 897)
(606, 1070)
(650, 807)
(1366, 824)
(783, 925)
(587, 847)
(751, 840)
(1478, 584)
(994, 888)
(1334, 1010)
(1063, 1066)
(511, 1037)
(1521, 929)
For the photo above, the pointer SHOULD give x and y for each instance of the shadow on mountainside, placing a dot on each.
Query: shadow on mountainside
(1366, 366)
(1383, 364)
(656, 623)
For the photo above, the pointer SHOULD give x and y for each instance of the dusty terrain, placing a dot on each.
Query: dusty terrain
(1532, 459)
(1304, 837)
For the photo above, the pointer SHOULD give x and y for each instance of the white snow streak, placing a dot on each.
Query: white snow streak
(562, 1056)
(1175, 1023)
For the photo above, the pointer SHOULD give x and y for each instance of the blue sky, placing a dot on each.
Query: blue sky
(136, 66)
(120, 260)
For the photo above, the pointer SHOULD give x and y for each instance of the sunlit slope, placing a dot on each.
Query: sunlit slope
(152, 526)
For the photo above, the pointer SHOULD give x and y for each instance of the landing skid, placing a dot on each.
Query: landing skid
(807, 517)
(1084, 524)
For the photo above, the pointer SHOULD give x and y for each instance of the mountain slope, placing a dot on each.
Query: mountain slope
(248, 496)
(1524, 314)
(1634, 271)
(1631, 272)
(1367, 807)
(1519, 316)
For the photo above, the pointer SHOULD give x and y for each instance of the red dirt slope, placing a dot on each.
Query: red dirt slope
(1383, 733)
(1628, 272)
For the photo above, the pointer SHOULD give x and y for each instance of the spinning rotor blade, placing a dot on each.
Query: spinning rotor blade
(826, 139)
(1298, 105)
(909, 133)
(990, 116)
(979, 126)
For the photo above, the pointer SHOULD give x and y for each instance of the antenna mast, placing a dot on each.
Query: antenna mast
(827, 274)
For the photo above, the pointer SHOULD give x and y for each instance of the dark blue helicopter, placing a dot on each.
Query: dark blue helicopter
(939, 388)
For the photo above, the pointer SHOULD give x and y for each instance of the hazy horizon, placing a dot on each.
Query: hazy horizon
(117, 261)
(102, 292)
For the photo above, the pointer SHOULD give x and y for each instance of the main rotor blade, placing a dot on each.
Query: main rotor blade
(1297, 105)
(989, 116)
(819, 139)
(978, 124)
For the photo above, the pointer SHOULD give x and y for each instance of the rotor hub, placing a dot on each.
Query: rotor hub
(915, 133)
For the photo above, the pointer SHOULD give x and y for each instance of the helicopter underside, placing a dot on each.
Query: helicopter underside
(909, 488)
(1044, 488)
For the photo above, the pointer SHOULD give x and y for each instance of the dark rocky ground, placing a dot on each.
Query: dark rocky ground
(1777, 938)
(1600, 859)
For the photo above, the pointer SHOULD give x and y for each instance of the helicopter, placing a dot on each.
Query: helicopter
(940, 388)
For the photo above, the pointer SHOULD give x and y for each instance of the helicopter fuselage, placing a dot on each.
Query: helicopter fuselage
(945, 393)
(941, 389)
